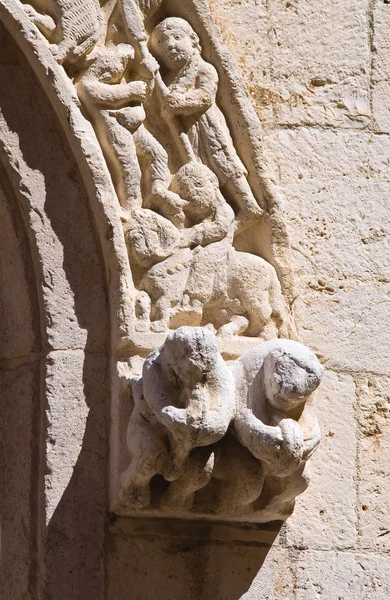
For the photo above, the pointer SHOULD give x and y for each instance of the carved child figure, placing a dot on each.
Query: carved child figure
(183, 401)
(275, 421)
(190, 95)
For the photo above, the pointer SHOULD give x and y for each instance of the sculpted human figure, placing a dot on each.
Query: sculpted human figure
(275, 421)
(137, 161)
(190, 95)
(72, 28)
(184, 401)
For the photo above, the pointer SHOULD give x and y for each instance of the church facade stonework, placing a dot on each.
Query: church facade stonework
(195, 226)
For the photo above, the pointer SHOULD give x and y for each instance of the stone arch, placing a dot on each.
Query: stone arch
(60, 258)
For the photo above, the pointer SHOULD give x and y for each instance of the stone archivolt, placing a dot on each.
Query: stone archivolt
(205, 438)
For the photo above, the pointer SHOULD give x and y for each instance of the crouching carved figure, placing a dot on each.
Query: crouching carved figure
(211, 440)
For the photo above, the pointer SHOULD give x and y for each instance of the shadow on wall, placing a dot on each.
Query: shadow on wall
(73, 358)
(78, 557)
(184, 560)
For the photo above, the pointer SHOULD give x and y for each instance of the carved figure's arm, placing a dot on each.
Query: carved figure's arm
(45, 23)
(134, 21)
(110, 95)
(202, 234)
(210, 230)
(281, 447)
(196, 100)
(208, 413)
(311, 441)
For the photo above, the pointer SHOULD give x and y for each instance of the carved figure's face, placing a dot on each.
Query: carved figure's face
(191, 352)
(198, 185)
(112, 62)
(287, 383)
(174, 47)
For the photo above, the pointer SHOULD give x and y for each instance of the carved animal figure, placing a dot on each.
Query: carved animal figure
(190, 96)
(275, 423)
(207, 272)
(72, 26)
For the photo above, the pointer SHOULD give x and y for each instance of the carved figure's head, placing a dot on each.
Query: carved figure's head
(291, 373)
(198, 185)
(191, 352)
(110, 62)
(174, 42)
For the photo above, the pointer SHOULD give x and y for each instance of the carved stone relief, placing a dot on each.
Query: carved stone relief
(205, 437)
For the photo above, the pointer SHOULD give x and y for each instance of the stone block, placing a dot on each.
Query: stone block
(325, 515)
(272, 42)
(380, 65)
(342, 576)
(374, 456)
(65, 252)
(275, 580)
(183, 559)
(336, 189)
(75, 479)
(19, 480)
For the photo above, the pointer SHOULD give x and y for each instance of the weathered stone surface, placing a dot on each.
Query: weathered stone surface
(315, 71)
(329, 504)
(19, 480)
(299, 67)
(336, 188)
(342, 576)
(380, 65)
(276, 578)
(197, 560)
(374, 455)
(52, 202)
(75, 474)
(228, 442)
(20, 319)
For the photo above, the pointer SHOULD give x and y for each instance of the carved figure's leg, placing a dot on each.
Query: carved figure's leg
(165, 284)
(237, 326)
(162, 313)
(255, 283)
(63, 49)
(239, 189)
(283, 492)
(197, 473)
(142, 312)
(157, 177)
(149, 452)
(120, 153)
(240, 477)
(154, 159)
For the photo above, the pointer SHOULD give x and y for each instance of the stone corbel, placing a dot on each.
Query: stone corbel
(207, 439)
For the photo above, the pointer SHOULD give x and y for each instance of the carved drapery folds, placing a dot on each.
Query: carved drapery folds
(205, 437)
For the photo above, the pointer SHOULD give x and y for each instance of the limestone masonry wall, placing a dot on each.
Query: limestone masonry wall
(304, 192)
